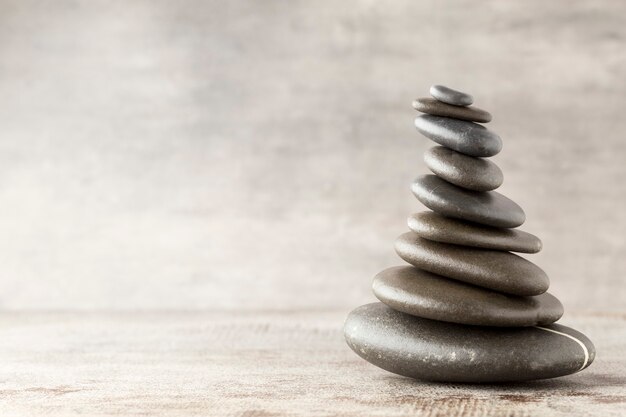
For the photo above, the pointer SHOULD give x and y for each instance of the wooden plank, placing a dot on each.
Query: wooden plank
(260, 364)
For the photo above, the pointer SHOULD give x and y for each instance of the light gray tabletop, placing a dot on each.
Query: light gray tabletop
(261, 363)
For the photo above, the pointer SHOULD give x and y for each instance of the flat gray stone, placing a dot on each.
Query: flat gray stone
(431, 106)
(459, 135)
(497, 270)
(433, 226)
(469, 172)
(424, 294)
(447, 352)
(490, 207)
(450, 96)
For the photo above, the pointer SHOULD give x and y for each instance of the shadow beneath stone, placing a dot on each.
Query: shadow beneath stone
(511, 390)
(591, 386)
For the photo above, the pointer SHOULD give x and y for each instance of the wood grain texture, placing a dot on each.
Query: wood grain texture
(261, 364)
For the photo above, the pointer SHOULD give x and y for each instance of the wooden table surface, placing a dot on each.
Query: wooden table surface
(261, 363)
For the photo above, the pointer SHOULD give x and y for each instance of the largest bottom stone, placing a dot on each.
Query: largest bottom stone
(437, 351)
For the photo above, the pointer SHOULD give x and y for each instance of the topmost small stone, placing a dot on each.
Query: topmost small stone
(450, 96)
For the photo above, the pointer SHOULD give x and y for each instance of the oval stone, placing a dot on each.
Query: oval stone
(490, 207)
(497, 270)
(431, 106)
(476, 174)
(459, 135)
(423, 294)
(447, 352)
(450, 96)
(432, 226)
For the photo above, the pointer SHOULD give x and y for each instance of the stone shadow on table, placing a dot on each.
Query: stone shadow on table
(578, 385)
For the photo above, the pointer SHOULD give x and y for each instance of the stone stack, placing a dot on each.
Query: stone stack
(466, 309)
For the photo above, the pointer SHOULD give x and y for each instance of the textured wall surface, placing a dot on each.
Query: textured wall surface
(257, 155)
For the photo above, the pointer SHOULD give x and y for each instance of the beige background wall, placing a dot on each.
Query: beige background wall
(257, 155)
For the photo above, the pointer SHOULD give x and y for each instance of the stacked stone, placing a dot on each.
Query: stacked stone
(466, 309)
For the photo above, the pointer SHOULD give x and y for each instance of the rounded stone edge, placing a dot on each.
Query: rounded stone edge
(482, 150)
(429, 105)
(433, 202)
(442, 93)
(405, 246)
(418, 226)
(433, 158)
(390, 361)
(477, 318)
(587, 346)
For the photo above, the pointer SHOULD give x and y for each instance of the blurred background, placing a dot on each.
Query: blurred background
(245, 155)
